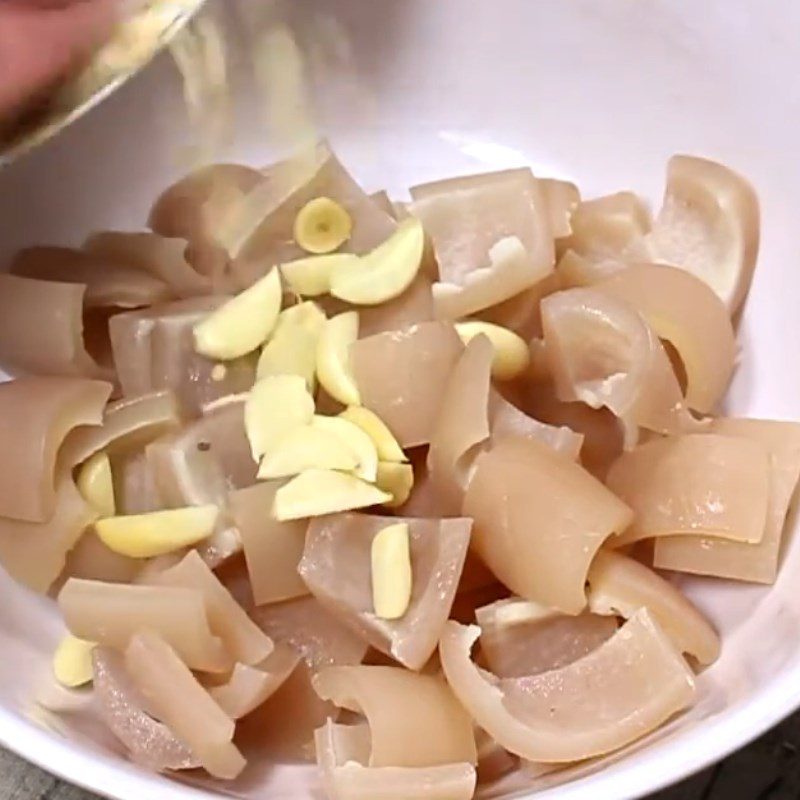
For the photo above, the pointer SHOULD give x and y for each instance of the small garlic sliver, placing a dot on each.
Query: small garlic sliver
(334, 369)
(276, 406)
(243, 323)
(322, 225)
(317, 492)
(397, 480)
(96, 485)
(362, 447)
(311, 277)
(159, 532)
(388, 447)
(511, 355)
(391, 572)
(292, 350)
(72, 662)
(384, 273)
(306, 448)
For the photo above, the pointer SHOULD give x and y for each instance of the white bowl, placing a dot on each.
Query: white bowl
(598, 91)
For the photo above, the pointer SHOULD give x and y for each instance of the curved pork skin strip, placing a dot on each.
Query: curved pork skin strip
(148, 742)
(111, 614)
(622, 690)
(184, 706)
(620, 586)
(272, 549)
(574, 270)
(412, 307)
(336, 567)
(461, 424)
(108, 285)
(699, 485)
(41, 328)
(539, 520)
(136, 489)
(36, 414)
(466, 216)
(243, 639)
(607, 227)
(342, 753)
(153, 349)
(602, 352)
(292, 186)
(561, 199)
(128, 424)
(687, 313)
(162, 257)
(184, 209)
(92, 560)
(414, 720)
(35, 553)
(739, 560)
(520, 638)
(251, 686)
(401, 376)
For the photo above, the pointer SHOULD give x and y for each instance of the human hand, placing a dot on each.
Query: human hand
(40, 40)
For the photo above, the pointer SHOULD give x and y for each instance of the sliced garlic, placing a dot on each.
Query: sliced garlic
(96, 485)
(276, 406)
(384, 273)
(511, 355)
(310, 447)
(159, 532)
(358, 442)
(388, 447)
(334, 369)
(292, 350)
(243, 323)
(311, 277)
(322, 226)
(397, 480)
(317, 492)
(391, 572)
(72, 662)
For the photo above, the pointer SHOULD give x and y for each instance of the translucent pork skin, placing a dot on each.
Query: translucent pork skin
(539, 519)
(622, 690)
(41, 328)
(185, 707)
(336, 567)
(602, 352)
(414, 720)
(36, 414)
(343, 752)
(700, 484)
(108, 284)
(739, 560)
(621, 585)
(401, 376)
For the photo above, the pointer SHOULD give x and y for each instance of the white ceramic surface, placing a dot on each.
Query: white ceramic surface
(600, 91)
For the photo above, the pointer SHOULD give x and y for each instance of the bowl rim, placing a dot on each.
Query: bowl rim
(708, 742)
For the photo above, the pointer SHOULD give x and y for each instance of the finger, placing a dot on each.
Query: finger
(38, 45)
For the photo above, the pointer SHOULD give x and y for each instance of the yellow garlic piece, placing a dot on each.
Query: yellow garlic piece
(391, 572)
(276, 406)
(511, 355)
(292, 350)
(306, 448)
(388, 447)
(362, 447)
(322, 226)
(96, 485)
(218, 372)
(243, 323)
(384, 273)
(334, 369)
(317, 492)
(159, 532)
(72, 662)
(397, 480)
(311, 277)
